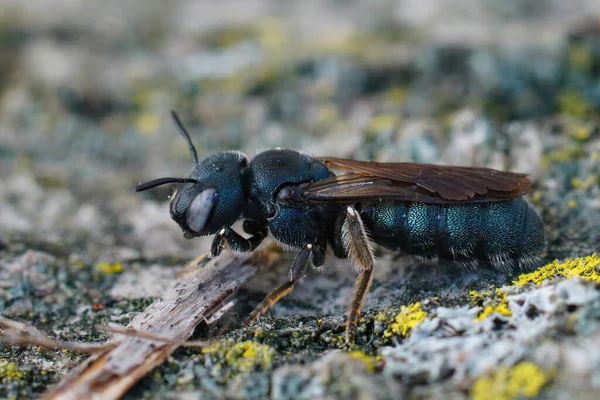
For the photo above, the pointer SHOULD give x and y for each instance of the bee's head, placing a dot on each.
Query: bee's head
(212, 197)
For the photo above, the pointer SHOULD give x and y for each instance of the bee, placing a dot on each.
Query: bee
(467, 215)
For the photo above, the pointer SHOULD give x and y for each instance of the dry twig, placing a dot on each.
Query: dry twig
(20, 334)
(162, 327)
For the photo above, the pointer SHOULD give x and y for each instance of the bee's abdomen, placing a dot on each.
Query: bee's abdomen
(505, 233)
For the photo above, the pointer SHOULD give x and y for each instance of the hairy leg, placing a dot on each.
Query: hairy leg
(308, 253)
(356, 243)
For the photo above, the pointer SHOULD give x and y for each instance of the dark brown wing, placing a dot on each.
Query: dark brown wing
(415, 182)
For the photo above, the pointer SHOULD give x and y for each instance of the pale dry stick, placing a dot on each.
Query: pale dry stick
(108, 375)
(17, 333)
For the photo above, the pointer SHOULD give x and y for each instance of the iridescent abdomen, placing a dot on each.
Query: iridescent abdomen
(504, 233)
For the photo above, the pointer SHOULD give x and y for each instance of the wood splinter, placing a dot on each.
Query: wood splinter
(161, 328)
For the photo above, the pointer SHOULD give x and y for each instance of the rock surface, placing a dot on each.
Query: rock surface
(85, 94)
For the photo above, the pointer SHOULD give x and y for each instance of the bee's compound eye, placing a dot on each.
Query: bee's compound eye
(199, 210)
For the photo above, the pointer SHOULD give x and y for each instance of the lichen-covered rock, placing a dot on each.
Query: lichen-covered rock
(85, 92)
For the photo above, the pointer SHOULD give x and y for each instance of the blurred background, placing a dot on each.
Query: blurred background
(86, 89)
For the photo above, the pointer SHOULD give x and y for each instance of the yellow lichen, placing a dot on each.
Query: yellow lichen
(383, 122)
(565, 153)
(327, 114)
(478, 297)
(380, 317)
(365, 358)
(574, 104)
(572, 203)
(581, 133)
(498, 306)
(258, 333)
(109, 268)
(243, 356)
(346, 43)
(582, 267)
(9, 371)
(147, 123)
(409, 317)
(525, 379)
(584, 184)
(536, 197)
(501, 308)
(229, 36)
(272, 34)
(396, 95)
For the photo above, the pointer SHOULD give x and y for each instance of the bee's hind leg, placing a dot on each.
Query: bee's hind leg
(356, 244)
(308, 253)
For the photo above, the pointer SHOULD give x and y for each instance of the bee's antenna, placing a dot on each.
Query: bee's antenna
(185, 135)
(162, 181)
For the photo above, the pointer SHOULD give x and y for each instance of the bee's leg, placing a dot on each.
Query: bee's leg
(237, 242)
(297, 270)
(360, 252)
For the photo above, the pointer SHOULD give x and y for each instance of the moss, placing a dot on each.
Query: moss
(582, 267)
(332, 339)
(246, 356)
(525, 379)
(134, 305)
(403, 323)
(580, 57)
(574, 104)
(109, 268)
(51, 181)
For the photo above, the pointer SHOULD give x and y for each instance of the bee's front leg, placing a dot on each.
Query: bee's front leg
(237, 242)
(356, 244)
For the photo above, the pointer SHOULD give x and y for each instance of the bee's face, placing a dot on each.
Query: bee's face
(214, 197)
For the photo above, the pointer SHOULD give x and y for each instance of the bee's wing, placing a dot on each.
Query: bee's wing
(415, 182)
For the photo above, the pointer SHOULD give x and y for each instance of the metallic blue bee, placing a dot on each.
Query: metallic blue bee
(462, 214)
